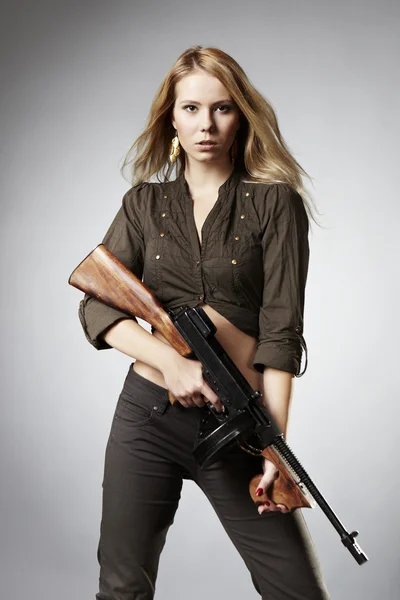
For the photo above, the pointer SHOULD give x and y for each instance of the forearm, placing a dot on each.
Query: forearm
(132, 339)
(277, 392)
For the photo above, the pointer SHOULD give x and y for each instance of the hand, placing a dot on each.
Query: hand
(270, 473)
(184, 379)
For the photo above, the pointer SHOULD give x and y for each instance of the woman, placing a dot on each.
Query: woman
(229, 234)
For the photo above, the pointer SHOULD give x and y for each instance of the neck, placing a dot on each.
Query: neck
(207, 176)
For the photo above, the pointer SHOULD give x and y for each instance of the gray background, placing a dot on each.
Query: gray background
(77, 82)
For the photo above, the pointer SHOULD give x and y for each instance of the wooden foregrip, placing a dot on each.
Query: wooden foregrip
(283, 490)
(106, 278)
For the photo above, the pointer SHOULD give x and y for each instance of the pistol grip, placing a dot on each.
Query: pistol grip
(171, 398)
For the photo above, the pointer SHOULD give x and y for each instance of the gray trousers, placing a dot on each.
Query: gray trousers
(148, 454)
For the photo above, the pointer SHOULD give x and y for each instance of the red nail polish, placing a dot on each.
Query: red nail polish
(259, 492)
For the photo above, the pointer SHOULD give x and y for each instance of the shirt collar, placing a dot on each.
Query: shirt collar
(228, 184)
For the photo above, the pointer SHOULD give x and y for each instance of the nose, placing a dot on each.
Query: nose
(209, 127)
(208, 122)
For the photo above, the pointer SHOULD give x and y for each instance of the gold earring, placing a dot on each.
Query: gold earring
(174, 149)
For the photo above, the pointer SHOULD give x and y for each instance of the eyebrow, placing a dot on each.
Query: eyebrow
(214, 103)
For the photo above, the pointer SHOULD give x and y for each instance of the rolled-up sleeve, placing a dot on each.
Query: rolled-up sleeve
(284, 226)
(124, 239)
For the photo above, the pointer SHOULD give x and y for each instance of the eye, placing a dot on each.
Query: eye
(189, 106)
(225, 107)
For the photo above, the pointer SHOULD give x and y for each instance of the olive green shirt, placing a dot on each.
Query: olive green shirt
(251, 266)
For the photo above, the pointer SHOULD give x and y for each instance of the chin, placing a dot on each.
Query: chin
(207, 157)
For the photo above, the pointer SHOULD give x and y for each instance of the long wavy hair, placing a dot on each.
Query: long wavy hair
(261, 152)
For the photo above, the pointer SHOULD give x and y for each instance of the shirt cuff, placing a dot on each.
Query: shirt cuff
(283, 358)
(96, 317)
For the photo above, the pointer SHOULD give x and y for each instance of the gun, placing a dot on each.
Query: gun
(245, 421)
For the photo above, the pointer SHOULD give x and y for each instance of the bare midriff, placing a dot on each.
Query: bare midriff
(238, 345)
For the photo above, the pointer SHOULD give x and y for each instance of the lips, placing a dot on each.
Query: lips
(206, 143)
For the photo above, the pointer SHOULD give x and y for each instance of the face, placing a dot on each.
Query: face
(204, 110)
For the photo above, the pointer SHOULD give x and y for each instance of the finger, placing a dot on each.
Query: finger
(268, 506)
(183, 402)
(267, 479)
(212, 397)
(198, 400)
(263, 507)
(270, 473)
(269, 467)
(190, 402)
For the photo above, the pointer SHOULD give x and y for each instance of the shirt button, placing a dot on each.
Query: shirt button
(162, 234)
(201, 297)
(165, 195)
(197, 263)
(163, 214)
(242, 216)
(158, 256)
(237, 237)
(298, 329)
(234, 262)
(247, 194)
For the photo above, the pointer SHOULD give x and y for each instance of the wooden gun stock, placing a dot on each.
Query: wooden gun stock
(104, 277)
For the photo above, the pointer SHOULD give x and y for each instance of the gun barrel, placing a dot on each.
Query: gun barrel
(346, 537)
(348, 540)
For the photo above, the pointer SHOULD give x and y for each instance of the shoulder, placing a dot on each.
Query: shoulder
(277, 201)
(137, 192)
(275, 196)
(137, 198)
(149, 189)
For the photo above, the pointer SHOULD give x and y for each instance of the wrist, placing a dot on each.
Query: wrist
(168, 359)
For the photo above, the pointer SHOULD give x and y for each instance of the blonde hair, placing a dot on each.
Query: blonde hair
(261, 149)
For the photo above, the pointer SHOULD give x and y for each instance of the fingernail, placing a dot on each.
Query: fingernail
(259, 492)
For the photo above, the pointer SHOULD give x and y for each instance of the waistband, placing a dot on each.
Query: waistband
(137, 382)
